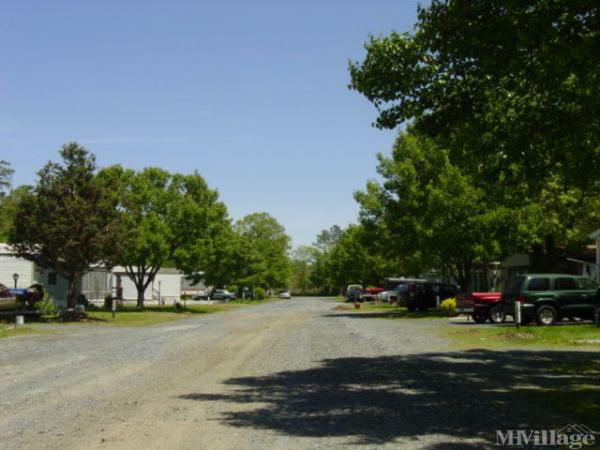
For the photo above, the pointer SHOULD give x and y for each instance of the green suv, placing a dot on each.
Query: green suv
(547, 298)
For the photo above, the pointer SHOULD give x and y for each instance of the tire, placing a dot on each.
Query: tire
(478, 318)
(546, 315)
(497, 314)
(411, 308)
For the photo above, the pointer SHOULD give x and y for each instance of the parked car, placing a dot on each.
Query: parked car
(222, 294)
(482, 306)
(20, 299)
(201, 296)
(395, 295)
(548, 298)
(371, 294)
(354, 293)
(285, 294)
(425, 295)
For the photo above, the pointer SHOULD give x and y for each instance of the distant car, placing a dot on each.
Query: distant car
(395, 295)
(548, 298)
(201, 296)
(482, 306)
(222, 294)
(354, 293)
(371, 294)
(285, 294)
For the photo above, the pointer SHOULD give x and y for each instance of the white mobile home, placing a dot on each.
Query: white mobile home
(166, 285)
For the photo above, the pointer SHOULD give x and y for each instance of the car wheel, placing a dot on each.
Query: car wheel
(478, 318)
(546, 315)
(497, 314)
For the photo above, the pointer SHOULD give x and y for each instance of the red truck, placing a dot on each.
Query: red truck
(482, 306)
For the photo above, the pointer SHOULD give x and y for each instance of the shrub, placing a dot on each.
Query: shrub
(259, 293)
(46, 306)
(448, 307)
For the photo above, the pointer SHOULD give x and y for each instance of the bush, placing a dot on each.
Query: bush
(448, 307)
(259, 293)
(46, 306)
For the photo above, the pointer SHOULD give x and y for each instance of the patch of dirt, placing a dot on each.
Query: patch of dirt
(515, 336)
(342, 308)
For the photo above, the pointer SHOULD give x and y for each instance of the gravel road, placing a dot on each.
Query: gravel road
(289, 374)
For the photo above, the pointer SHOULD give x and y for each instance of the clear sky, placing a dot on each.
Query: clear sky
(251, 94)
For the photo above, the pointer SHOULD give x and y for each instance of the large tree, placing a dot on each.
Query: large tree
(69, 221)
(171, 219)
(510, 90)
(513, 85)
(264, 251)
(433, 215)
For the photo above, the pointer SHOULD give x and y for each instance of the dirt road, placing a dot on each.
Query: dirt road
(290, 374)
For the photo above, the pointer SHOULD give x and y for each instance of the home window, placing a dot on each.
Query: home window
(51, 278)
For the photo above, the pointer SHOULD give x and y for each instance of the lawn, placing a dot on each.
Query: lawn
(10, 330)
(130, 316)
(562, 335)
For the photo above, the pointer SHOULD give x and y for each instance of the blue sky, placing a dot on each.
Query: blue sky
(251, 94)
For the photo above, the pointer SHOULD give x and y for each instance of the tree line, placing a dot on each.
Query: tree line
(497, 105)
(78, 216)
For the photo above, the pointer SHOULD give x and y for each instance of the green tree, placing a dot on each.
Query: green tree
(511, 87)
(510, 90)
(170, 219)
(327, 239)
(68, 222)
(8, 209)
(302, 263)
(432, 212)
(264, 248)
(6, 173)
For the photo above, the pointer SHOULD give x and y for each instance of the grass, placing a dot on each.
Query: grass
(10, 330)
(130, 316)
(563, 335)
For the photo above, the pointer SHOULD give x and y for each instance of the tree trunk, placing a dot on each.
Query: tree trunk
(140, 296)
(72, 291)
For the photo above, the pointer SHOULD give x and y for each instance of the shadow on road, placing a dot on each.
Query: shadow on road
(466, 394)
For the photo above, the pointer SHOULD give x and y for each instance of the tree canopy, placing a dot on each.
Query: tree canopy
(511, 87)
(68, 221)
(170, 219)
(264, 248)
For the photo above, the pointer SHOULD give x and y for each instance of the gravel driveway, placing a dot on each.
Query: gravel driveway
(290, 374)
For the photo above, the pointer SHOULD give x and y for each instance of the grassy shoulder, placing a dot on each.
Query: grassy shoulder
(130, 316)
(10, 331)
(507, 336)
